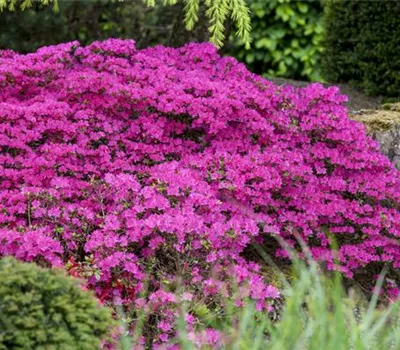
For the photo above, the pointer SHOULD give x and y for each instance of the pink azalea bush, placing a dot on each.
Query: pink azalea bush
(145, 171)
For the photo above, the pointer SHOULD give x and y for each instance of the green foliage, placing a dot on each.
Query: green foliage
(85, 21)
(13, 5)
(217, 12)
(286, 37)
(362, 45)
(44, 309)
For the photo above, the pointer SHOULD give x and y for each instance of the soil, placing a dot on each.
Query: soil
(357, 99)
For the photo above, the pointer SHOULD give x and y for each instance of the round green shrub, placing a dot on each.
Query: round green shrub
(45, 309)
(362, 40)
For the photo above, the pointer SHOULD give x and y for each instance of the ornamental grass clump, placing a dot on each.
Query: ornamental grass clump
(132, 167)
(318, 314)
(44, 309)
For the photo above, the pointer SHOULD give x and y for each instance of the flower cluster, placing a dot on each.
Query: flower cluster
(153, 170)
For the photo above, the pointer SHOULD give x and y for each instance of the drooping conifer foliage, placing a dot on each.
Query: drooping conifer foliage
(145, 171)
(217, 13)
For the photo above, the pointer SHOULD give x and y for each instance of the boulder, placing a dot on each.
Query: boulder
(384, 126)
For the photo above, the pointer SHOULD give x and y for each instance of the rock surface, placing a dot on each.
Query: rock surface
(389, 141)
(384, 126)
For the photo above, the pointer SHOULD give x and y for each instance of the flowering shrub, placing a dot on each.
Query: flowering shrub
(129, 166)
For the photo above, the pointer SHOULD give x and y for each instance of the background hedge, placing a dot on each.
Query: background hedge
(362, 45)
(86, 21)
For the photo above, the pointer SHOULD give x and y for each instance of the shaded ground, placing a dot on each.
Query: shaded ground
(357, 99)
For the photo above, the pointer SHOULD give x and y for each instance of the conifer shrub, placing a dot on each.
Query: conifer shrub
(44, 309)
(361, 45)
(149, 172)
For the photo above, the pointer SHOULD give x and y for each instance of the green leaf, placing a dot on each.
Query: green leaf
(303, 8)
